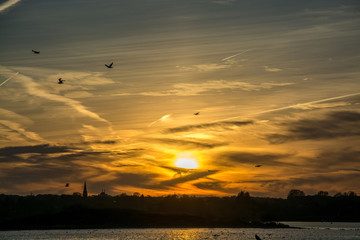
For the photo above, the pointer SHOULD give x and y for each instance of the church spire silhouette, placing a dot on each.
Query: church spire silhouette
(85, 191)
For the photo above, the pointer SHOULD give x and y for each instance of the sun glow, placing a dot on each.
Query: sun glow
(186, 163)
(185, 160)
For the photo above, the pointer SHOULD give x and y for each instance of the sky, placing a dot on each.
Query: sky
(275, 85)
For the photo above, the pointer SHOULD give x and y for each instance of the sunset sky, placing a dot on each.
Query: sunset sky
(276, 84)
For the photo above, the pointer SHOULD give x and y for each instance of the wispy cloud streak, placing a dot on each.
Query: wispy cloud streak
(15, 127)
(269, 69)
(8, 4)
(34, 89)
(193, 89)
(222, 125)
(299, 105)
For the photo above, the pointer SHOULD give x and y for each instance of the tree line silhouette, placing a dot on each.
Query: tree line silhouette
(103, 211)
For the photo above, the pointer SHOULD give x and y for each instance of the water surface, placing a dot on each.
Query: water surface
(311, 231)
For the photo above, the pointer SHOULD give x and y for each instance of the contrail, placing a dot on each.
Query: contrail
(295, 106)
(9, 79)
(17, 128)
(309, 103)
(227, 58)
(8, 4)
(163, 118)
(34, 89)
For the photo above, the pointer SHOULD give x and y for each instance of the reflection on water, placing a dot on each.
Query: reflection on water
(313, 231)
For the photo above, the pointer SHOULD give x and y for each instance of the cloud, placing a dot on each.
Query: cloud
(223, 1)
(203, 67)
(227, 62)
(342, 10)
(192, 89)
(268, 69)
(216, 125)
(177, 170)
(78, 94)
(10, 115)
(43, 164)
(230, 157)
(34, 168)
(35, 89)
(45, 173)
(25, 156)
(335, 160)
(162, 119)
(335, 182)
(187, 178)
(323, 105)
(18, 177)
(142, 180)
(325, 178)
(43, 148)
(47, 153)
(20, 131)
(302, 106)
(107, 142)
(12, 127)
(83, 78)
(185, 143)
(335, 124)
(8, 4)
(8, 79)
(350, 169)
(211, 185)
(235, 55)
(216, 185)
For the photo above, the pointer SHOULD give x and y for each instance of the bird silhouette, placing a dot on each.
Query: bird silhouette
(257, 237)
(109, 66)
(35, 52)
(61, 81)
(259, 165)
(197, 113)
(67, 185)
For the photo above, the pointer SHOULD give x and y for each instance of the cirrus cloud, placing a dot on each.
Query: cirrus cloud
(192, 89)
(333, 125)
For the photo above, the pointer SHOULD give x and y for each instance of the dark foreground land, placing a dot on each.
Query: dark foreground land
(67, 211)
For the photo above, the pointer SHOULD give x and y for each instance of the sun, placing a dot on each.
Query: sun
(186, 161)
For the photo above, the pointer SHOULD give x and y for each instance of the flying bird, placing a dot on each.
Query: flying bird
(259, 165)
(109, 66)
(197, 113)
(67, 185)
(257, 237)
(35, 52)
(61, 81)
